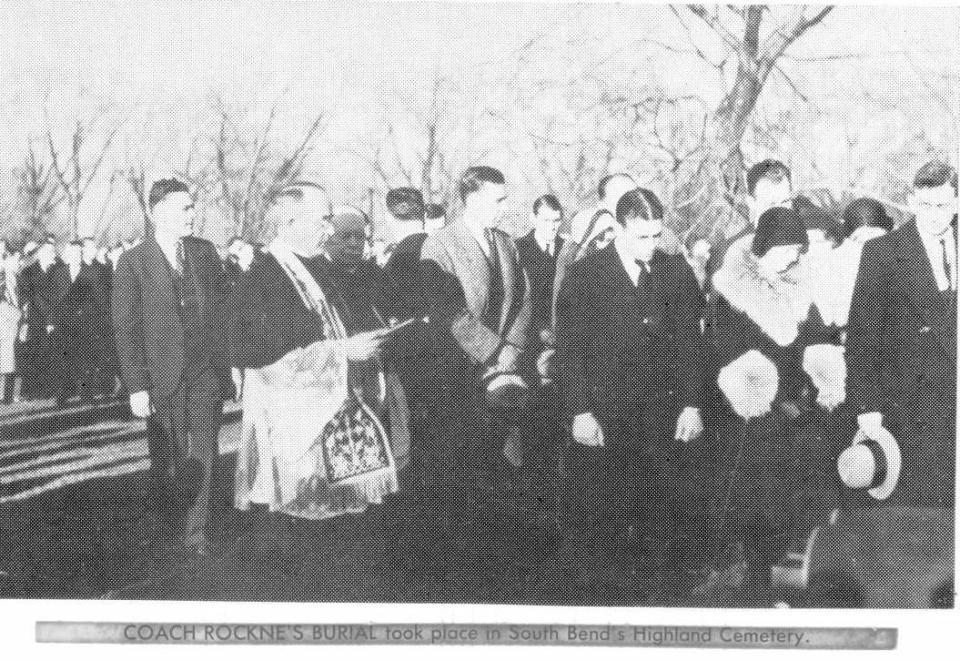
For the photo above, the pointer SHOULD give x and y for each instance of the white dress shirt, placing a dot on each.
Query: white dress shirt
(545, 241)
(630, 264)
(932, 244)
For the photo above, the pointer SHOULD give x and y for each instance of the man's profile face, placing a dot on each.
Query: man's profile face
(547, 220)
(934, 207)
(174, 215)
(768, 194)
(485, 205)
(306, 226)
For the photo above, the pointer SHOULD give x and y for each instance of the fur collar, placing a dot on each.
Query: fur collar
(778, 309)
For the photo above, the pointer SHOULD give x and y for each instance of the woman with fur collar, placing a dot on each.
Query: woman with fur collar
(764, 321)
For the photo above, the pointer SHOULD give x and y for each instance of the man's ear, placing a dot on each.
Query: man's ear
(913, 202)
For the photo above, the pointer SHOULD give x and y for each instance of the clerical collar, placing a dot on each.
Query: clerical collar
(286, 247)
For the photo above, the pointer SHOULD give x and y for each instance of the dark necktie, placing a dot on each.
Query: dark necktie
(179, 259)
(491, 247)
(947, 262)
(642, 276)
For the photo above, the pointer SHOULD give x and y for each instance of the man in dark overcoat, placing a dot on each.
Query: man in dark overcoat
(631, 364)
(902, 342)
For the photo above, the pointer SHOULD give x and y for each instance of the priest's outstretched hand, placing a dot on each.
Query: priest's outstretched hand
(363, 346)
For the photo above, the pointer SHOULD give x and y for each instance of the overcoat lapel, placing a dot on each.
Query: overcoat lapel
(921, 288)
(476, 279)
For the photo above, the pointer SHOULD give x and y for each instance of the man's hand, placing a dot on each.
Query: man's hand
(140, 404)
(871, 424)
(507, 360)
(587, 431)
(237, 376)
(363, 346)
(689, 425)
(49, 329)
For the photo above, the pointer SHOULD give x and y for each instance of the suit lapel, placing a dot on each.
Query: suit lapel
(509, 276)
(476, 279)
(621, 290)
(157, 273)
(921, 288)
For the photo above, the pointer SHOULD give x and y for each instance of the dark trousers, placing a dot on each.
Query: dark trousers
(611, 490)
(756, 500)
(183, 434)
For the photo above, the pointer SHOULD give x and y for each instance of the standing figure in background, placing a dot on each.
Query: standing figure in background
(537, 251)
(412, 348)
(769, 185)
(84, 323)
(10, 322)
(367, 302)
(863, 219)
(631, 360)
(169, 314)
(593, 228)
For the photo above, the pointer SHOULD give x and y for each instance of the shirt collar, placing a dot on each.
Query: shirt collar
(543, 240)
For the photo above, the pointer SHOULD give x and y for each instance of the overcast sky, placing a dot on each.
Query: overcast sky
(166, 57)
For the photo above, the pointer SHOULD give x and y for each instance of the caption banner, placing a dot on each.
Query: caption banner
(192, 633)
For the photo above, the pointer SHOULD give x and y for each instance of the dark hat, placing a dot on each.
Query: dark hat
(779, 226)
(405, 204)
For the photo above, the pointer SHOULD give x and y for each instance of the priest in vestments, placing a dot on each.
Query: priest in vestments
(311, 447)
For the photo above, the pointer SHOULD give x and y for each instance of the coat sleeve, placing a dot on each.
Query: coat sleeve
(127, 309)
(517, 333)
(865, 329)
(251, 339)
(691, 358)
(573, 338)
(220, 290)
(448, 307)
(564, 260)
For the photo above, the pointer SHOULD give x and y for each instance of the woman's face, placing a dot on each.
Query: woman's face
(779, 259)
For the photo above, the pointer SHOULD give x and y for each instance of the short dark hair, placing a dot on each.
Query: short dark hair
(550, 200)
(639, 203)
(476, 176)
(405, 203)
(770, 169)
(934, 175)
(163, 187)
(434, 210)
(865, 212)
(602, 186)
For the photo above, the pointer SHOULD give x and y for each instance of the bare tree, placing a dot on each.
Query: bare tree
(76, 166)
(236, 165)
(38, 192)
(753, 38)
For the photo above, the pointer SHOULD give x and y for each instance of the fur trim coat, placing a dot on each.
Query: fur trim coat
(776, 320)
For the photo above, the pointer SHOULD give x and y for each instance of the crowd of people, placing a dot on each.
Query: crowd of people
(704, 404)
